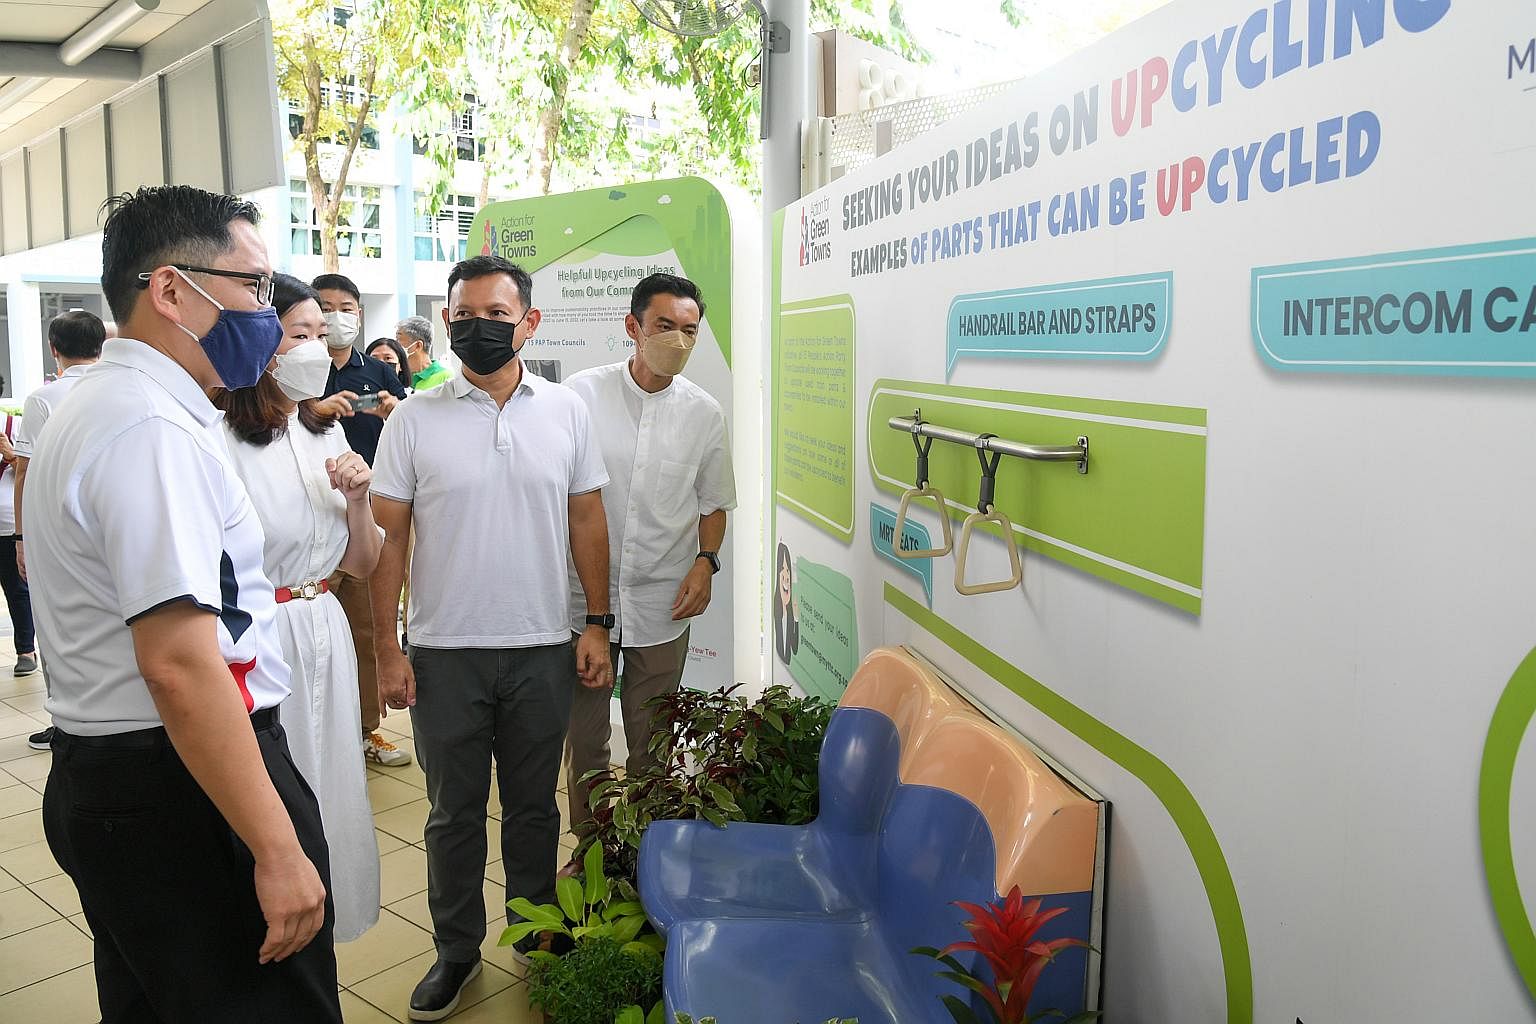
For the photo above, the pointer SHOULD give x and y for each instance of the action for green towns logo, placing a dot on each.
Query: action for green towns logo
(815, 227)
(510, 237)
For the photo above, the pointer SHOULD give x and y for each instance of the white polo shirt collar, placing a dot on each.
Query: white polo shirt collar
(164, 371)
(460, 387)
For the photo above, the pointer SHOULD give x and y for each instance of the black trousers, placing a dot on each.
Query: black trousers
(512, 704)
(168, 888)
(17, 597)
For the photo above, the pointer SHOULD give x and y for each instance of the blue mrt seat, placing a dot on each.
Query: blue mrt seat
(769, 924)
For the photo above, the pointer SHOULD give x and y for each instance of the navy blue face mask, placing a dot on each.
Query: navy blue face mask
(241, 343)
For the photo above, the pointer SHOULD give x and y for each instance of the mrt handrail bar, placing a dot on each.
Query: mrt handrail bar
(1077, 453)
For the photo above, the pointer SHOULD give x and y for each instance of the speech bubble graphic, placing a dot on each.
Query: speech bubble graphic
(1111, 318)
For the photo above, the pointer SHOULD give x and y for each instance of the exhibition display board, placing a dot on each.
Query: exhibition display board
(586, 252)
(1229, 321)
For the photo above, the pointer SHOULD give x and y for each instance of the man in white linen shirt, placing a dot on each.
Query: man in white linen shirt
(499, 473)
(75, 339)
(665, 445)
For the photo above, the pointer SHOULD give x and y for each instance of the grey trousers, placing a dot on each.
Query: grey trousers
(513, 704)
(648, 672)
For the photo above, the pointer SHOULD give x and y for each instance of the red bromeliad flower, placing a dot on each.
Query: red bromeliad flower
(1003, 933)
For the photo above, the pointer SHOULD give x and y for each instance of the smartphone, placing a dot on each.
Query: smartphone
(370, 401)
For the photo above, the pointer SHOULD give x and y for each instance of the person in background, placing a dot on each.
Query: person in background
(389, 352)
(310, 492)
(172, 801)
(353, 377)
(670, 486)
(75, 339)
(499, 473)
(414, 334)
(18, 599)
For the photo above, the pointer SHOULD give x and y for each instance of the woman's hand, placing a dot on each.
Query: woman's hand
(350, 475)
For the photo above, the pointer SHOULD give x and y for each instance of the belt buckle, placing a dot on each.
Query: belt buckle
(309, 591)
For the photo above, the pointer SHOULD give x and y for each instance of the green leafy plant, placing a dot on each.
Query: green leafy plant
(594, 982)
(683, 1018)
(635, 1015)
(590, 907)
(718, 758)
(1004, 934)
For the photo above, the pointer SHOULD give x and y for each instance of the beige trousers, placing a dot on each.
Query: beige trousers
(648, 672)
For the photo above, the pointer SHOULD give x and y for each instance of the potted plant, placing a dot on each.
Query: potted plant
(612, 963)
(719, 758)
(1003, 933)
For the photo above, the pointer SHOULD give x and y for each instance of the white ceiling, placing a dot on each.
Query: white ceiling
(55, 21)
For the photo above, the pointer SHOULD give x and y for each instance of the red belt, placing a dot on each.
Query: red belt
(307, 592)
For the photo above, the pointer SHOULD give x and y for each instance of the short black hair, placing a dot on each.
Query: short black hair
(163, 224)
(484, 266)
(663, 284)
(288, 291)
(77, 334)
(338, 283)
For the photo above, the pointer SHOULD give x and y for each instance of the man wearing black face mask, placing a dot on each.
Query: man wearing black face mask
(499, 473)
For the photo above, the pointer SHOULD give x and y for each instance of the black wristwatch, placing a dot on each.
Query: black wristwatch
(606, 621)
(712, 558)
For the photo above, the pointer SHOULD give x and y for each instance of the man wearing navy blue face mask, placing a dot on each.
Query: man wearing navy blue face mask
(172, 802)
(501, 475)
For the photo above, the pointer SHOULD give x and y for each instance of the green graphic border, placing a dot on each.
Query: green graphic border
(691, 211)
(834, 530)
(1220, 890)
(1511, 719)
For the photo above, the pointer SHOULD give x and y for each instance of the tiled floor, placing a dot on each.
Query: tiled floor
(45, 948)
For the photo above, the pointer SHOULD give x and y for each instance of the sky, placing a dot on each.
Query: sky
(973, 44)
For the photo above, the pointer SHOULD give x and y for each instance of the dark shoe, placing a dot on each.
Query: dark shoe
(41, 740)
(26, 665)
(437, 995)
(527, 944)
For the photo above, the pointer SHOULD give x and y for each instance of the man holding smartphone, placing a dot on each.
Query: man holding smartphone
(363, 391)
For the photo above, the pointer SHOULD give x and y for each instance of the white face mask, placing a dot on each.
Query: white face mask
(667, 353)
(303, 371)
(344, 327)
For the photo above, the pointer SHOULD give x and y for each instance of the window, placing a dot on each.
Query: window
(457, 214)
(358, 232)
(337, 93)
(464, 128)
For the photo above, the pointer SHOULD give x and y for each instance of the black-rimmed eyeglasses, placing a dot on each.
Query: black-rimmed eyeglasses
(263, 281)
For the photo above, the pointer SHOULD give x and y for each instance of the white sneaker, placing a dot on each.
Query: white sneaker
(377, 748)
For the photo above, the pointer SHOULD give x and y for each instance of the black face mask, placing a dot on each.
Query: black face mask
(483, 346)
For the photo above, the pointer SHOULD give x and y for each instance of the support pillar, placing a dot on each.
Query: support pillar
(24, 318)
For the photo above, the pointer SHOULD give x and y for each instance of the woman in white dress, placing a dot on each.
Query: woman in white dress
(310, 491)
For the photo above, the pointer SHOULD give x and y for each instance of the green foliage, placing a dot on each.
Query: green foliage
(421, 58)
(635, 1015)
(592, 907)
(683, 1018)
(719, 759)
(594, 982)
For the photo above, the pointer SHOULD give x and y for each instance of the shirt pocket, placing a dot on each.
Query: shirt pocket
(675, 495)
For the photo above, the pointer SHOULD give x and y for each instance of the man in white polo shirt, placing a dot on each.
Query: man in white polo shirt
(75, 339)
(172, 803)
(500, 475)
(670, 485)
